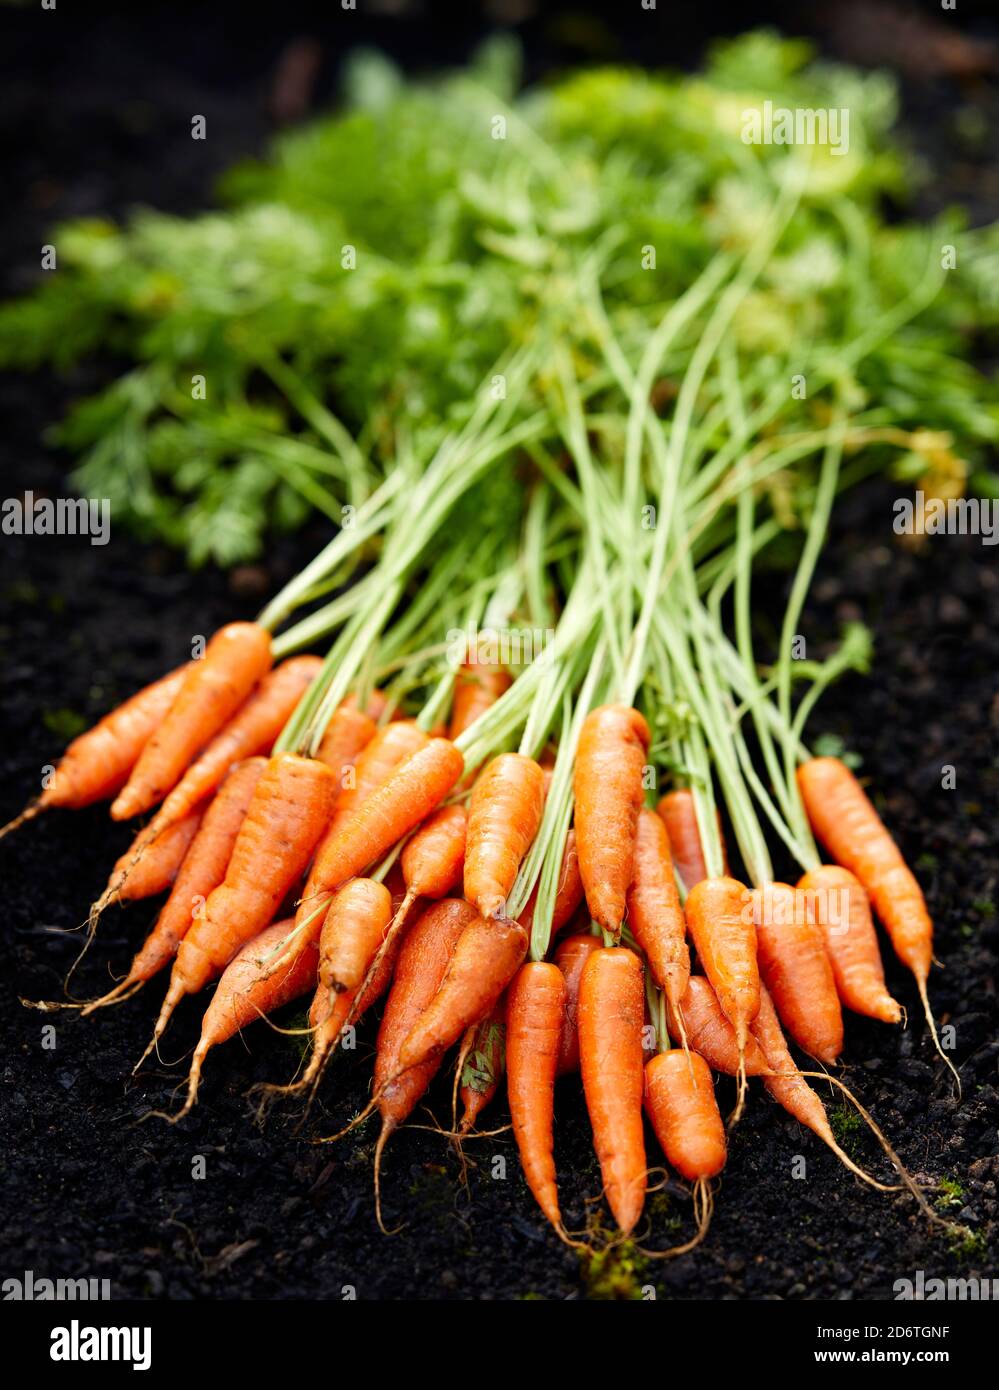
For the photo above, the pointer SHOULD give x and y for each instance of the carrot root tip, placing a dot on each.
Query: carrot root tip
(30, 811)
(925, 999)
(357, 1120)
(742, 1087)
(149, 1047)
(47, 1006)
(387, 1129)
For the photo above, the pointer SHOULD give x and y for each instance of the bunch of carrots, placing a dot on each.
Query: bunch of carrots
(483, 843)
(389, 863)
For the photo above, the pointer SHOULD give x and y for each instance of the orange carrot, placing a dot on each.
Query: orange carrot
(720, 920)
(433, 857)
(476, 687)
(285, 818)
(247, 992)
(611, 1015)
(484, 962)
(568, 893)
(681, 1104)
(97, 764)
(843, 912)
(571, 955)
(679, 816)
(354, 928)
(484, 1051)
(251, 731)
(503, 819)
(535, 1007)
(794, 965)
(212, 690)
(416, 788)
(202, 870)
(680, 1100)
(610, 761)
(654, 912)
(854, 834)
(422, 964)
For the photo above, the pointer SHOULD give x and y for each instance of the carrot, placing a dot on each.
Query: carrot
(611, 1014)
(97, 764)
(433, 857)
(681, 1105)
(416, 788)
(285, 818)
(482, 1063)
(422, 964)
(654, 912)
(476, 687)
(568, 893)
(237, 656)
(503, 819)
(134, 878)
(355, 925)
(608, 787)
(855, 835)
(245, 993)
(680, 1100)
(484, 962)
(535, 1007)
(794, 966)
(571, 955)
(202, 870)
(720, 920)
(851, 941)
(251, 731)
(679, 816)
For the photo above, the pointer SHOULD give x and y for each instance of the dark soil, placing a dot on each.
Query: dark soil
(89, 1190)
